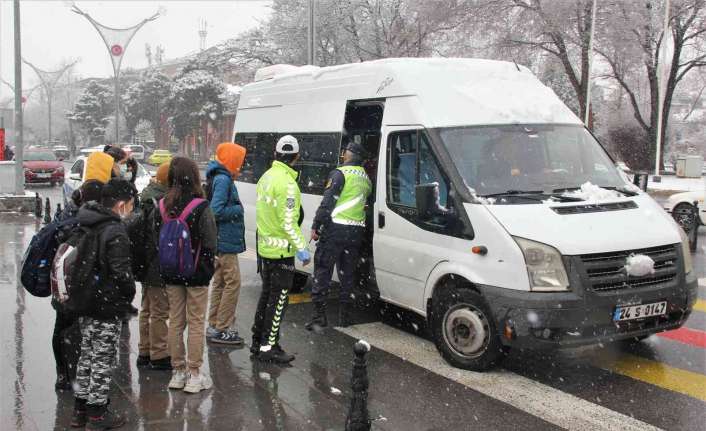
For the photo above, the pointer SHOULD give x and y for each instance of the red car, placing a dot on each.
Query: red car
(42, 166)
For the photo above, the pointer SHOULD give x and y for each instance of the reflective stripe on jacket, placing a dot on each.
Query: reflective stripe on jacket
(350, 206)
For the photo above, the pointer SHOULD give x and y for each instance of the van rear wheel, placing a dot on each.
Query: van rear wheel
(464, 330)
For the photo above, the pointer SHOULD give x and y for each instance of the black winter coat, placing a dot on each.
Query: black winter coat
(110, 297)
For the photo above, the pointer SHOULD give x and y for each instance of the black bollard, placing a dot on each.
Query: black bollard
(37, 206)
(58, 210)
(358, 418)
(47, 212)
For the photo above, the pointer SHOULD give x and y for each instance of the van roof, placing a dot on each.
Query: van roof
(435, 92)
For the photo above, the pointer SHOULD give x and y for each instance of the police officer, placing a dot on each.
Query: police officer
(279, 240)
(339, 226)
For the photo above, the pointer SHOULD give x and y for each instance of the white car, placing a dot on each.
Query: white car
(78, 172)
(680, 203)
(681, 207)
(137, 152)
(89, 150)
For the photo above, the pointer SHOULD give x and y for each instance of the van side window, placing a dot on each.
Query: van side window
(319, 155)
(77, 168)
(260, 153)
(402, 168)
(410, 163)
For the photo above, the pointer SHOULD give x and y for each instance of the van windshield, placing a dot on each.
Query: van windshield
(542, 158)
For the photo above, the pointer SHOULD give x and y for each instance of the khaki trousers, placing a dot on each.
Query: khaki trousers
(154, 313)
(187, 307)
(225, 292)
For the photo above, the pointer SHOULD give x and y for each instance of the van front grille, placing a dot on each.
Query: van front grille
(605, 271)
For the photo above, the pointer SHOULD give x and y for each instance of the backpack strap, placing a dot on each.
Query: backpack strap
(189, 208)
(163, 210)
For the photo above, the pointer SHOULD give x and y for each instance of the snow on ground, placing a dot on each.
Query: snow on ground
(680, 184)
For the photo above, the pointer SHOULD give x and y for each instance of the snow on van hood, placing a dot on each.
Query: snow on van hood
(648, 225)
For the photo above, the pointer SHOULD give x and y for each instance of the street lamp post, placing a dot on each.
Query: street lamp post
(19, 150)
(116, 40)
(49, 81)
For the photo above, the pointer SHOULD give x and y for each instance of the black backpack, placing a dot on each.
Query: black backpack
(209, 188)
(81, 276)
(37, 261)
(141, 237)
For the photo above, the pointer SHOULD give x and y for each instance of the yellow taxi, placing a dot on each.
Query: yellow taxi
(159, 157)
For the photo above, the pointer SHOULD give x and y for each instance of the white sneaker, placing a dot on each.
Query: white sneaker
(178, 380)
(197, 383)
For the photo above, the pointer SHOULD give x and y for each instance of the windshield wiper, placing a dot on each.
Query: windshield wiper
(562, 198)
(524, 194)
(622, 190)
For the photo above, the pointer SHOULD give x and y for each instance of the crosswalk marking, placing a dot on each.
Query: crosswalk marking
(659, 374)
(685, 335)
(299, 298)
(552, 405)
(700, 305)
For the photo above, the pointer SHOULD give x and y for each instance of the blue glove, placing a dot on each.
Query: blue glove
(304, 256)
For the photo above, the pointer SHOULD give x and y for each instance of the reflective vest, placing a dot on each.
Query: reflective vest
(277, 213)
(350, 207)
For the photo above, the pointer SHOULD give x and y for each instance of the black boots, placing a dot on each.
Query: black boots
(143, 361)
(100, 418)
(318, 320)
(344, 314)
(79, 419)
(276, 355)
(164, 364)
(63, 382)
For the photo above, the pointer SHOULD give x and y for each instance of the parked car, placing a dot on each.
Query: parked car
(685, 213)
(78, 171)
(61, 152)
(42, 166)
(159, 157)
(137, 152)
(88, 150)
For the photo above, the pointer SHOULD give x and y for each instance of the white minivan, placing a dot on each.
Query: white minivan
(496, 215)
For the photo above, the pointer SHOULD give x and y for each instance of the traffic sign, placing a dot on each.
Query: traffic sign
(116, 50)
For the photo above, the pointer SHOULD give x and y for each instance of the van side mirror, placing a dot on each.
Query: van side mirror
(427, 196)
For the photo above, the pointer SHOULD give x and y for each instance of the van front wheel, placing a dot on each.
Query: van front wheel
(464, 330)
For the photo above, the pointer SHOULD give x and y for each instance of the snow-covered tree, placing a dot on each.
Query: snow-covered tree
(147, 100)
(93, 111)
(197, 95)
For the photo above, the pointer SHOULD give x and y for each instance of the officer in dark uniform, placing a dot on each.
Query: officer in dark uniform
(339, 226)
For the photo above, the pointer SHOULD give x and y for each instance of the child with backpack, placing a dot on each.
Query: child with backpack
(102, 289)
(153, 348)
(186, 241)
(229, 215)
(37, 265)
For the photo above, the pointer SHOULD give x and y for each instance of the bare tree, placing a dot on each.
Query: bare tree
(631, 46)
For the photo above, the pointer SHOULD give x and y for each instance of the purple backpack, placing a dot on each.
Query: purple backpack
(177, 257)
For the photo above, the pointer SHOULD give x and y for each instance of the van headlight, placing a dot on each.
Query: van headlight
(544, 266)
(685, 251)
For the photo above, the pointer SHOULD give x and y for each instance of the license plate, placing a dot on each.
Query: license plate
(43, 175)
(639, 311)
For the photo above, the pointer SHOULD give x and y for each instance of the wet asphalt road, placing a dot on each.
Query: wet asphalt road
(660, 383)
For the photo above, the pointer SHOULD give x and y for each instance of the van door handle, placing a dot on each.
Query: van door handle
(381, 219)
